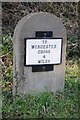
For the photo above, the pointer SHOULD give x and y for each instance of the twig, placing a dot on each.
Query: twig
(5, 54)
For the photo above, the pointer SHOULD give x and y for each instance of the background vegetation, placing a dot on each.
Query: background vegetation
(63, 104)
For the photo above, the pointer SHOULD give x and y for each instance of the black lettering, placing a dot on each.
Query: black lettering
(51, 46)
(48, 61)
(32, 46)
(39, 61)
(38, 47)
(44, 56)
(54, 46)
(39, 51)
(44, 41)
(43, 51)
(43, 61)
(43, 47)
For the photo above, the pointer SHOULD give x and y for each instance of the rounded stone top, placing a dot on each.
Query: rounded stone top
(39, 21)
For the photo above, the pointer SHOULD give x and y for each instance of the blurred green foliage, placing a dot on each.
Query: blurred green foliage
(7, 44)
(45, 105)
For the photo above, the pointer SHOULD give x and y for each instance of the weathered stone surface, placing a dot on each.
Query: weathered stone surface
(26, 81)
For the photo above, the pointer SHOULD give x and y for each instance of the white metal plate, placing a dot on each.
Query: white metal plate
(43, 51)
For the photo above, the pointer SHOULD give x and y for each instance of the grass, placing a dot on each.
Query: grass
(62, 104)
(46, 105)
